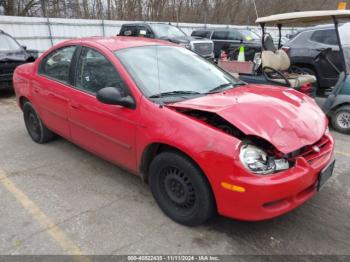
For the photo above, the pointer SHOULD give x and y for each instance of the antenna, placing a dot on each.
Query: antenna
(256, 10)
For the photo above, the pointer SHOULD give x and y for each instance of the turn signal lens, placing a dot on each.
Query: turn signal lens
(232, 187)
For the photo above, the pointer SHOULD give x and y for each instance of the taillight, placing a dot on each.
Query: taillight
(286, 49)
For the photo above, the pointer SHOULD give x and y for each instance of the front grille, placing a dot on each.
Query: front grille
(315, 153)
(203, 48)
(312, 156)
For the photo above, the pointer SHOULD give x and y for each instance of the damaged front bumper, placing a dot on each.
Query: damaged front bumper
(265, 197)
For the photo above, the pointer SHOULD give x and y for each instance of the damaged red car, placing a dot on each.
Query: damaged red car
(204, 141)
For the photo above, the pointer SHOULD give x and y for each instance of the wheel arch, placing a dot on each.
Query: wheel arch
(338, 106)
(154, 149)
(22, 100)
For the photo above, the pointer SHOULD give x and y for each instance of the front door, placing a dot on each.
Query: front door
(107, 130)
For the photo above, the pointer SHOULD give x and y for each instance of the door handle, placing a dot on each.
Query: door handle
(75, 105)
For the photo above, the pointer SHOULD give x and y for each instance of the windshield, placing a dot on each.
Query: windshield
(176, 70)
(8, 44)
(166, 31)
(249, 35)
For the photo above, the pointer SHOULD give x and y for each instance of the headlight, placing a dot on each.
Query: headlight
(257, 161)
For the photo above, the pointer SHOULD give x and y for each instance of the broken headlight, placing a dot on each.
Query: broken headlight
(257, 161)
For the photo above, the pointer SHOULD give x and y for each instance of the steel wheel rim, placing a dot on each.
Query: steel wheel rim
(33, 125)
(177, 188)
(343, 120)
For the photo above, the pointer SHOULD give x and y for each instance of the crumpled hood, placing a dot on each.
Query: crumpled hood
(286, 118)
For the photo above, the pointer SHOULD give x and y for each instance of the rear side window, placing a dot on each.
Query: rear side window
(220, 35)
(128, 31)
(56, 65)
(328, 37)
(204, 34)
(234, 35)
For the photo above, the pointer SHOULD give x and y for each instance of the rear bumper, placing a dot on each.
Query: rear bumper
(270, 196)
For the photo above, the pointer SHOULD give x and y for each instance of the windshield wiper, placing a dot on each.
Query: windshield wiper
(224, 87)
(172, 93)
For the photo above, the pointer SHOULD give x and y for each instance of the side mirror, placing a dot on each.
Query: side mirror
(24, 47)
(112, 96)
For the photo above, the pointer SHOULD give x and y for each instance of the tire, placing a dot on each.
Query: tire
(35, 127)
(180, 189)
(341, 119)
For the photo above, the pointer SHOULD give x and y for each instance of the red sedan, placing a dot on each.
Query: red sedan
(204, 141)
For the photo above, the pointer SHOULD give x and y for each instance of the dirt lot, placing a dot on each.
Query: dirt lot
(59, 199)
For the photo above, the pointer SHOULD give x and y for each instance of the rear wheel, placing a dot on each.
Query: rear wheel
(180, 189)
(35, 127)
(341, 119)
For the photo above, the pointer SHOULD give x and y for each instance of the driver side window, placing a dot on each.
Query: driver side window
(95, 71)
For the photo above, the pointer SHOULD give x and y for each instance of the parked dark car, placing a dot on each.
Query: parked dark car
(228, 39)
(199, 45)
(306, 45)
(12, 54)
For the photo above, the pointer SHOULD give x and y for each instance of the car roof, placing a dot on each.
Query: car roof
(115, 43)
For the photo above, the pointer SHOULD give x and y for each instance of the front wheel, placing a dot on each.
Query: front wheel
(180, 189)
(341, 120)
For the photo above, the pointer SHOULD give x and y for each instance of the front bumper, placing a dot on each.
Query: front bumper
(273, 195)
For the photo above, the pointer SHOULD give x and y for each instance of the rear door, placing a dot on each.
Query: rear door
(106, 130)
(51, 88)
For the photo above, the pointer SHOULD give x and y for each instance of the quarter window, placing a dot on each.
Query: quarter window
(56, 65)
(327, 37)
(95, 71)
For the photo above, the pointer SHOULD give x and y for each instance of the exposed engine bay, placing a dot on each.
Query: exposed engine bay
(268, 160)
(213, 120)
